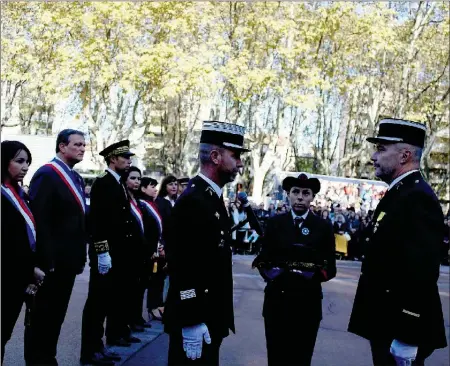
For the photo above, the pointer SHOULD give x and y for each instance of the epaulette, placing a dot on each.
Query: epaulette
(210, 190)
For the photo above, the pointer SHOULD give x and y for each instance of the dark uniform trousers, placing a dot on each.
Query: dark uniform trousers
(52, 300)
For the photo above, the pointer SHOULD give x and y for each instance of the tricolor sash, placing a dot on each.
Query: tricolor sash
(151, 209)
(137, 215)
(12, 196)
(67, 177)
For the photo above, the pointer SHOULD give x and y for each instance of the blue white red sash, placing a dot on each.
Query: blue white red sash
(67, 177)
(12, 196)
(152, 210)
(137, 215)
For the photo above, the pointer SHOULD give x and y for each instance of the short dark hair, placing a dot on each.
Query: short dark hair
(167, 180)
(63, 137)
(9, 150)
(147, 181)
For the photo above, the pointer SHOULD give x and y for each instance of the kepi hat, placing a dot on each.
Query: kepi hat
(227, 135)
(119, 148)
(393, 130)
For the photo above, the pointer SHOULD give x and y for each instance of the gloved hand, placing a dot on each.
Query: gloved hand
(243, 198)
(193, 340)
(273, 273)
(104, 263)
(403, 353)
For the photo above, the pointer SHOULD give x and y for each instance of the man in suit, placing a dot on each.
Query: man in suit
(397, 305)
(58, 206)
(199, 306)
(115, 237)
(298, 254)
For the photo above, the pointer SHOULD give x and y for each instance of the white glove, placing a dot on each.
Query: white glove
(193, 340)
(403, 353)
(104, 263)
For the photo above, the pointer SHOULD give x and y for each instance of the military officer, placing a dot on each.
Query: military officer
(115, 235)
(298, 254)
(397, 305)
(199, 307)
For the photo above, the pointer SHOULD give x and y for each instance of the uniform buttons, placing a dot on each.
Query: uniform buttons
(367, 239)
(387, 291)
(206, 291)
(221, 232)
(282, 292)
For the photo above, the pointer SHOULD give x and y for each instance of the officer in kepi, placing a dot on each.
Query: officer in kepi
(397, 305)
(298, 254)
(199, 306)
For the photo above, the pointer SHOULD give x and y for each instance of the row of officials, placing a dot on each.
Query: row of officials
(397, 305)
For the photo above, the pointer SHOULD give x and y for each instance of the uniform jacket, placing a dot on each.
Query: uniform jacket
(397, 295)
(291, 292)
(201, 284)
(60, 222)
(111, 220)
(18, 260)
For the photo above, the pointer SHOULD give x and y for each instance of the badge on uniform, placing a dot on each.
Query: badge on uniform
(381, 215)
(217, 215)
(305, 231)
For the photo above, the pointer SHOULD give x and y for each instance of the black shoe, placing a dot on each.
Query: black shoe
(132, 339)
(121, 342)
(111, 355)
(137, 328)
(97, 359)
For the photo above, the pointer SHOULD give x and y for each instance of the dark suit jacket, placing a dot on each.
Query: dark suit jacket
(397, 295)
(18, 260)
(60, 221)
(201, 283)
(111, 220)
(290, 292)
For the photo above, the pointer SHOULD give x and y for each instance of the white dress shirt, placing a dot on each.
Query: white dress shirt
(304, 216)
(398, 179)
(213, 185)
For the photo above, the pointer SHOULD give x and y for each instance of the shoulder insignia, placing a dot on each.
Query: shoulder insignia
(210, 190)
(102, 175)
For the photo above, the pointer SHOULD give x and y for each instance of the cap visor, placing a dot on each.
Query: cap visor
(377, 140)
(128, 154)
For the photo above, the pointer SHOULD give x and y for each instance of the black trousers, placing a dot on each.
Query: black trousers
(210, 352)
(52, 300)
(155, 289)
(13, 295)
(381, 354)
(289, 344)
(108, 298)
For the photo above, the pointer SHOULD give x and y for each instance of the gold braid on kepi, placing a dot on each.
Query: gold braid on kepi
(101, 246)
(121, 148)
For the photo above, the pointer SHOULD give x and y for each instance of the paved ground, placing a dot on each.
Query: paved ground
(334, 345)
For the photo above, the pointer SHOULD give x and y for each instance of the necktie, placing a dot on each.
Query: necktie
(297, 222)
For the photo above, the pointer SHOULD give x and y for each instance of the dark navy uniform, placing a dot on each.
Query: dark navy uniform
(397, 295)
(113, 229)
(293, 298)
(201, 284)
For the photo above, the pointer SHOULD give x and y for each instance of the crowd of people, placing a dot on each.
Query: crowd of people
(174, 240)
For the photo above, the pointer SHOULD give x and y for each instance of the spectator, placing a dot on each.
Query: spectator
(326, 216)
